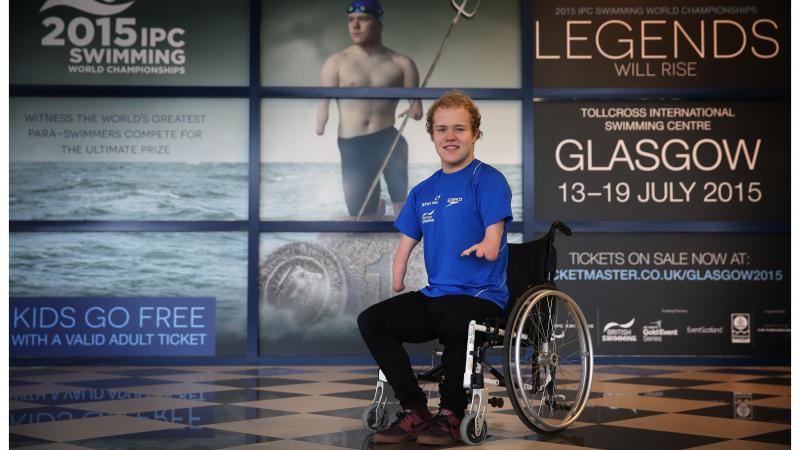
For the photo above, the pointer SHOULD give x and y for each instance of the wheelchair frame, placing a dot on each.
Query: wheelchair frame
(532, 361)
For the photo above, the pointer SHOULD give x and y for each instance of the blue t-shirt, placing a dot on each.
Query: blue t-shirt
(452, 212)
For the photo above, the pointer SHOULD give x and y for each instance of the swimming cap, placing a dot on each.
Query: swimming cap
(366, 6)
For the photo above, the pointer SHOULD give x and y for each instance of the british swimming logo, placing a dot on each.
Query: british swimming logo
(619, 332)
(428, 216)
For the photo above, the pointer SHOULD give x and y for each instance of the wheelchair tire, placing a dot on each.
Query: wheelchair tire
(547, 359)
(467, 430)
(375, 417)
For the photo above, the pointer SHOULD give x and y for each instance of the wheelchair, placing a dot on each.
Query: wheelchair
(546, 349)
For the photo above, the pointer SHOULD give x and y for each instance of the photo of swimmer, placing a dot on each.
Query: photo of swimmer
(371, 134)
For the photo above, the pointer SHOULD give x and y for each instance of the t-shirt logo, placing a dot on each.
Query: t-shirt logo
(427, 217)
(453, 201)
(435, 201)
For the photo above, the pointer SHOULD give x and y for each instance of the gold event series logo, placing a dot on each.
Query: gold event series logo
(100, 42)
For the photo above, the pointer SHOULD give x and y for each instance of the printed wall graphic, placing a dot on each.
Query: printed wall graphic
(112, 326)
(710, 44)
(138, 42)
(676, 294)
(652, 161)
(62, 266)
(483, 51)
(138, 159)
(301, 172)
(312, 286)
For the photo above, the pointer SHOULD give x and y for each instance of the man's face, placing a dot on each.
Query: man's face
(454, 138)
(364, 28)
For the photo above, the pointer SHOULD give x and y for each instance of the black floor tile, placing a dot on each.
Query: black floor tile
(783, 437)
(350, 439)
(117, 383)
(621, 438)
(365, 381)
(18, 440)
(256, 382)
(640, 371)
(207, 415)
(652, 381)
(267, 371)
(771, 380)
(748, 371)
(745, 412)
(237, 396)
(367, 394)
(20, 373)
(700, 394)
(603, 414)
(178, 439)
(147, 372)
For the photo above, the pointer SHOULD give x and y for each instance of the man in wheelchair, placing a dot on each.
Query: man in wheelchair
(463, 212)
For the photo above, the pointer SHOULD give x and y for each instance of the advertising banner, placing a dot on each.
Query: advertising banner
(133, 158)
(297, 41)
(137, 265)
(321, 176)
(711, 44)
(139, 42)
(661, 161)
(112, 326)
(312, 286)
(721, 294)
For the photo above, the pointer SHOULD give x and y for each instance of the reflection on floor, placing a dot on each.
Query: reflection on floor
(319, 408)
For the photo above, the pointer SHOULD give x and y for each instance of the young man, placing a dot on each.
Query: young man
(366, 126)
(462, 211)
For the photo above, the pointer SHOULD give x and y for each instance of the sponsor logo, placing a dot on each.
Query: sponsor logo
(102, 42)
(454, 201)
(428, 216)
(654, 332)
(435, 201)
(774, 328)
(674, 311)
(742, 409)
(619, 332)
(704, 330)
(740, 328)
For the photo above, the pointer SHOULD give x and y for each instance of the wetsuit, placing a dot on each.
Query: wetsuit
(362, 156)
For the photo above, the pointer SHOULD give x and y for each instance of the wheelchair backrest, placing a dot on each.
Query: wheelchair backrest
(529, 264)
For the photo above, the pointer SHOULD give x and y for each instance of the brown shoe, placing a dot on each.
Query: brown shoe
(443, 430)
(407, 427)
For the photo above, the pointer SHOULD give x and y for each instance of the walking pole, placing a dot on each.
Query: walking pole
(460, 11)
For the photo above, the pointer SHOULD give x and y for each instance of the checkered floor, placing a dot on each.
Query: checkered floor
(319, 408)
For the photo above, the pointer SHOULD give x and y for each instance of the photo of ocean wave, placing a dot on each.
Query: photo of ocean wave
(138, 265)
(313, 191)
(127, 191)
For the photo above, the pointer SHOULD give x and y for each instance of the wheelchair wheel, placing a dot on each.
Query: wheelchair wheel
(547, 359)
(375, 417)
(467, 429)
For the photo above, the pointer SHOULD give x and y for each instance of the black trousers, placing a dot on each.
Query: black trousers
(415, 318)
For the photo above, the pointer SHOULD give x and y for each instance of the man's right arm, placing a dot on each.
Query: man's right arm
(328, 78)
(400, 262)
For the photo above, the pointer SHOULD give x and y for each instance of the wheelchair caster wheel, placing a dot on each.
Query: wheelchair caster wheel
(496, 402)
(375, 417)
(468, 434)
